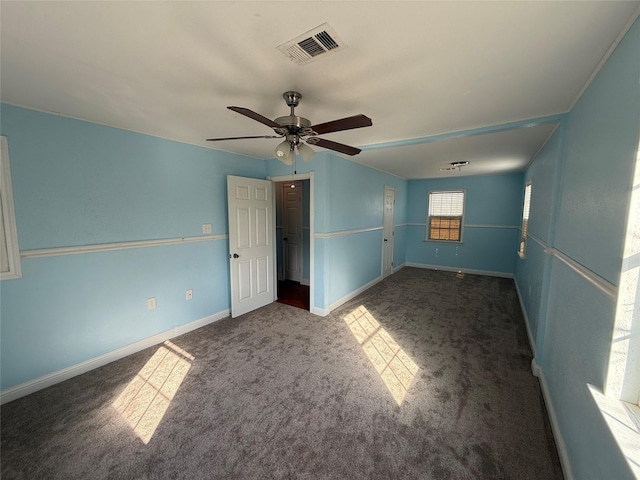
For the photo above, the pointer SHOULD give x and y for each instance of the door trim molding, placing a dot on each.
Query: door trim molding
(305, 176)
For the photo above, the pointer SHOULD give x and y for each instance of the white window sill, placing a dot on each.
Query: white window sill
(457, 242)
(623, 420)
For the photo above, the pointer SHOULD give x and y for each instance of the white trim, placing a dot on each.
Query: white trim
(535, 368)
(8, 215)
(609, 289)
(323, 312)
(487, 273)
(306, 176)
(532, 341)
(555, 426)
(50, 379)
(539, 241)
(341, 233)
(402, 265)
(355, 293)
(104, 247)
(606, 287)
(511, 227)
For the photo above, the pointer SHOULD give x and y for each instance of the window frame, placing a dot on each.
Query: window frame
(429, 217)
(524, 226)
(8, 216)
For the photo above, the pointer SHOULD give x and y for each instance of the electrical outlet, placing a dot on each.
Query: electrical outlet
(189, 294)
(206, 228)
(151, 303)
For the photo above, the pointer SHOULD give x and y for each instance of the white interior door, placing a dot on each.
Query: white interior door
(251, 243)
(387, 230)
(292, 230)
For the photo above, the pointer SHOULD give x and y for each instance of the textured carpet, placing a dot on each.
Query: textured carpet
(422, 376)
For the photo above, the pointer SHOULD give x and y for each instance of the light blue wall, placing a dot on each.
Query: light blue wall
(347, 196)
(493, 206)
(591, 161)
(544, 175)
(77, 183)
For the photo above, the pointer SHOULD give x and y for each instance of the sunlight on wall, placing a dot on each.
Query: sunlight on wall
(623, 378)
(145, 400)
(623, 426)
(619, 405)
(393, 365)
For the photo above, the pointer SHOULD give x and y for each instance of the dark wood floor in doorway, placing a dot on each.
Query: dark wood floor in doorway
(294, 294)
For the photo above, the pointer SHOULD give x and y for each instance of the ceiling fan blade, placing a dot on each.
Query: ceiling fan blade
(338, 147)
(242, 138)
(255, 116)
(356, 121)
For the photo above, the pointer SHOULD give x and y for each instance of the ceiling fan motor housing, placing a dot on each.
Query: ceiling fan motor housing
(292, 98)
(293, 124)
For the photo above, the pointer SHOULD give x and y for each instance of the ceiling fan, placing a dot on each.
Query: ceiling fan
(295, 129)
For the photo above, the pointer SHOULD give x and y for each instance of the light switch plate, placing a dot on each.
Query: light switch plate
(206, 228)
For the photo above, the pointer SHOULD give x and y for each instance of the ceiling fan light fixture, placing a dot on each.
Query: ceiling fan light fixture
(306, 152)
(284, 152)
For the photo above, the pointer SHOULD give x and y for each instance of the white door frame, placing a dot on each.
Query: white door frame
(304, 176)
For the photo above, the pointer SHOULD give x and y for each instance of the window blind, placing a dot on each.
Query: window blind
(446, 204)
(527, 202)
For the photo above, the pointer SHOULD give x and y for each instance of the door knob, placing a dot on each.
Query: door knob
(385, 239)
(235, 255)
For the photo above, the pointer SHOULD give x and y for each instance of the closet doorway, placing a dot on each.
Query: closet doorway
(294, 240)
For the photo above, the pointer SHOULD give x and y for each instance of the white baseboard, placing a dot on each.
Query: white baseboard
(305, 281)
(487, 273)
(323, 312)
(532, 340)
(555, 426)
(354, 294)
(396, 268)
(45, 381)
(535, 368)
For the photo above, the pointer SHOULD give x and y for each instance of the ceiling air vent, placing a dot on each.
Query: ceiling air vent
(307, 47)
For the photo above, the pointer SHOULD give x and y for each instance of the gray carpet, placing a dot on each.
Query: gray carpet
(281, 393)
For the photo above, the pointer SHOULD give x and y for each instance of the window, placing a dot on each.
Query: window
(444, 220)
(9, 252)
(525, 219)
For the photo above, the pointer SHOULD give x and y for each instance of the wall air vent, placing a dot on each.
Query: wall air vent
(313, 44)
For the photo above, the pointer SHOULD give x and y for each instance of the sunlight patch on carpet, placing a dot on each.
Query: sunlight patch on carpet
(393, 365)
(146, 399)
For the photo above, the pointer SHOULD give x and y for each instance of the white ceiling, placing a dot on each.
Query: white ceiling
(427, 72)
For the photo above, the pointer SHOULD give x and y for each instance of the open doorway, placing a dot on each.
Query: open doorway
(294, 240)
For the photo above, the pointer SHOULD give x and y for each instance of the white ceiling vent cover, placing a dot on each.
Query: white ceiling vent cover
(312, 45)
